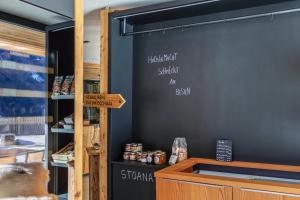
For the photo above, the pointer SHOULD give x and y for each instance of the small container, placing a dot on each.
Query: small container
(160, 158)
(164, 157)
(128, 147)
(132, 156)
(144, 157)
(139, 147)
(126, 155)
(138, 156)
(150, 158)
(134, 147)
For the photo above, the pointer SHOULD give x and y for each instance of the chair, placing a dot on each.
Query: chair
(37, 156)
(7, 160)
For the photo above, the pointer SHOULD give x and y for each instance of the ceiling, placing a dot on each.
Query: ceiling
(91, 5)
(24, 10)
(27, 11)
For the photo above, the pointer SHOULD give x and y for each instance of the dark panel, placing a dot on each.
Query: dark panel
(60, 56)
(244, 83)
(187, 8)
(120, 120)
(120, 83)
(133, 181)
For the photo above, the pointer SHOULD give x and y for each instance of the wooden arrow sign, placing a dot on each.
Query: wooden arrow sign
(104, 100)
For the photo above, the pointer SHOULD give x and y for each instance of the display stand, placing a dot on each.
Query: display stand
(60, 56)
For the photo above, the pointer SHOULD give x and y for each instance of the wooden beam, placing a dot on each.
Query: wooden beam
(103, 111)
(91, 71)
(78, 102)
(94, 173)
(20, 39)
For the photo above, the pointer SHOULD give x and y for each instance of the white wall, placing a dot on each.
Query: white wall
(92, 34)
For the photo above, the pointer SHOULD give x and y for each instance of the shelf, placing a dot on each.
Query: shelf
(63, 165)
(61, 130)
(62, 97)
(139, 164)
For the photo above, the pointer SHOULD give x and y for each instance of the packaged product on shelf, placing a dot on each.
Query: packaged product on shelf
(132, 156)
(144, 157)
(68, 126)
(126, 155)
(134, 152)
(159, 158)
(150, 158)
(179, 151)
(69, 119)
(64, 155)
(72, 87)
(66, 86)
(60, 124)
(57, 85)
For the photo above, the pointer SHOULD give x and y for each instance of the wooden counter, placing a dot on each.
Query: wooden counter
(179, 183)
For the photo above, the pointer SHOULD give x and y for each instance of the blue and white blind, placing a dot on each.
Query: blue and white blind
(23, 93)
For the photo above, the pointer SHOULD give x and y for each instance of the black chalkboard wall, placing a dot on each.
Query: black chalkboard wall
(237, 80)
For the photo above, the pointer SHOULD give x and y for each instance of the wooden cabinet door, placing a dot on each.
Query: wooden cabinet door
(180, 190)
(249, 194)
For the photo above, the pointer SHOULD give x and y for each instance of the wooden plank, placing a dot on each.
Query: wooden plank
(5, 64)
(103, 111)
(104, 100)
(20, 39)
(91, 71)
(8, 92)
(94, 173)
(177, 190)
(88, 135)
(78, 101)
(71, 180)
(178, 172)
(21, 34)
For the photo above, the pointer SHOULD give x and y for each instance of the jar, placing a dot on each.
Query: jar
(139, 147)
(164, 157)
(134, 147)
(132, 156)
(126, 155)
(179, 150)
(144, 157)
(150, 158)
(128, 147)
(160, 158)
(138, 156)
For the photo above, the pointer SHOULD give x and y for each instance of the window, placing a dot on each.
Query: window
(23, 95)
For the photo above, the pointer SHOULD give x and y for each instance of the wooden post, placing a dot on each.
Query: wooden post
(103, 111)
(78, 102)
(94, 187)
(71, 187)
